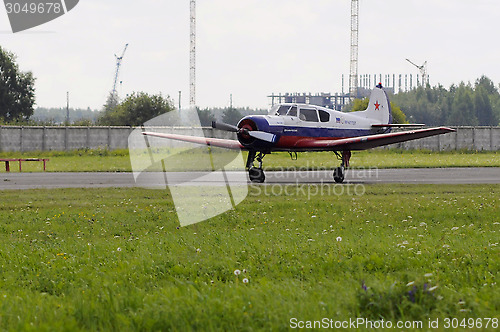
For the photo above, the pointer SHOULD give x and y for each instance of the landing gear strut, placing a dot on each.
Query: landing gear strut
(256, 174)
(339, 173)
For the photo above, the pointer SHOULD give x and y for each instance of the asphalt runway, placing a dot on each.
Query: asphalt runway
(484, 175)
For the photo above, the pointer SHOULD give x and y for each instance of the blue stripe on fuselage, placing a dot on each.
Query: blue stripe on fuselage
(279, 130)
(299, 131)
(318, 132)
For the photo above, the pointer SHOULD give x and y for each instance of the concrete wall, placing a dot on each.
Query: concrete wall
(73, 138)
(465, 138)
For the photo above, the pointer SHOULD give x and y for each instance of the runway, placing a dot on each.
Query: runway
(484, 175)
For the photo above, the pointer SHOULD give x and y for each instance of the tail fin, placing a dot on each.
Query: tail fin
(379, 107)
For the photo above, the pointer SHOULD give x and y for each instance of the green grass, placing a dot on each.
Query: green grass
(115, 259)
(119, 161)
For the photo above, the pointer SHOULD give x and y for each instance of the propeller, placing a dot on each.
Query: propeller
(261, 135)
(225, 127)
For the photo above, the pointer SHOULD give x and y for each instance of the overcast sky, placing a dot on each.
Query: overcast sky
(250, 48)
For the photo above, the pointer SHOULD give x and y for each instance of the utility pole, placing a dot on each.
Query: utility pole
(192, 56)
(353, 76)
(67, 108)
(179, 100)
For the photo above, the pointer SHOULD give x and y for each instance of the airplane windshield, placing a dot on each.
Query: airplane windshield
(292, 111)
(282, 110)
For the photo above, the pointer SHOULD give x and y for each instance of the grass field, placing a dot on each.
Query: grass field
(115, 259)
(119, 161)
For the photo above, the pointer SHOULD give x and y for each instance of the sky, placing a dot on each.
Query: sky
(249, 49)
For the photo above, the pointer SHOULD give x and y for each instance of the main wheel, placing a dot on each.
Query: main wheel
(338, 174)
(256, 175)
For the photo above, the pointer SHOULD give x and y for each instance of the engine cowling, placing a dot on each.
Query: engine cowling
(245, 126)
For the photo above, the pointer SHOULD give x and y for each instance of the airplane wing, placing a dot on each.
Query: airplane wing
(370, 141)
(219, 142)
(398, 125)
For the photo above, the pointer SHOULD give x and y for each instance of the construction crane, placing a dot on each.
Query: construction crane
(192, 56)
(353, 76)
(423, 71)
(114, 94)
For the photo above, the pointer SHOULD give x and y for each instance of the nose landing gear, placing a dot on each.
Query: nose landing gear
(256, 174)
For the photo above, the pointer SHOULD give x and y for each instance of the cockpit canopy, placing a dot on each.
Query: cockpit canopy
(306, 113)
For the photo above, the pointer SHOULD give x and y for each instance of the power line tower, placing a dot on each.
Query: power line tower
(423, 72)
(114, 94)
(192, 56)
(353, 76)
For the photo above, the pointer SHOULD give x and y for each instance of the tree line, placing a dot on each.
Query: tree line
(468, 104)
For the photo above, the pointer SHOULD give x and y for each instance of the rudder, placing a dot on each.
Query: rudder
(379, 107)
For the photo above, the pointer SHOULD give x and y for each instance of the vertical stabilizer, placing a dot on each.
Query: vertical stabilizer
(379, 107)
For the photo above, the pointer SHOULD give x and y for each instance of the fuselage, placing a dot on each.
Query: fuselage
(292, 123)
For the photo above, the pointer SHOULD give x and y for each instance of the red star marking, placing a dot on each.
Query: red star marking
(377, 105)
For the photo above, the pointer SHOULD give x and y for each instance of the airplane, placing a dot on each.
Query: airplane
(304, 127)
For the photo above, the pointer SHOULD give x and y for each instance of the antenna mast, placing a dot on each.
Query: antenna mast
(192, 57)
(353, 76)
(119, 59)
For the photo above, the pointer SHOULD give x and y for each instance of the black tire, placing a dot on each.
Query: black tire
(256, 175)
(338, 175)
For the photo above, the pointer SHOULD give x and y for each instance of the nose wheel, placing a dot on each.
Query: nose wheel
(256, 174)
(339, 173)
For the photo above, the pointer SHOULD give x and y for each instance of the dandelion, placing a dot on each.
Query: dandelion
(237, 272)
(245, 280)
(339, 239)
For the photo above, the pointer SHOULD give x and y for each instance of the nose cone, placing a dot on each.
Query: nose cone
(254, 123)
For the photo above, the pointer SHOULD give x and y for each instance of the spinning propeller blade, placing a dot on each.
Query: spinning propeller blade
(225, 127)
(262, 135)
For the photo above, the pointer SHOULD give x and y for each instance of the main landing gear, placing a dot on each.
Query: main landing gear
(256, 174)
(339, 173)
